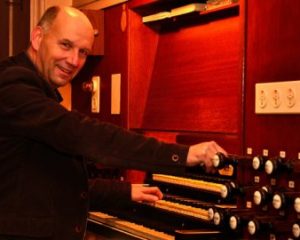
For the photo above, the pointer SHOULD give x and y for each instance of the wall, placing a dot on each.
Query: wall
(13, 39)
(4, 30)
(273, 51)
(186, 76)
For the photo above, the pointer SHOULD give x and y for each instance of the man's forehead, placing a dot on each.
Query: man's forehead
(70, 14)
(72, 22)
(73, 36)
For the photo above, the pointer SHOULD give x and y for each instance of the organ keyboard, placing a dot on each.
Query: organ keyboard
(249, 203)
(174, 217)
(216, 188)
(138, 230)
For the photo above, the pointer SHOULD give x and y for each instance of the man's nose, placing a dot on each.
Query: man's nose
(73, 58)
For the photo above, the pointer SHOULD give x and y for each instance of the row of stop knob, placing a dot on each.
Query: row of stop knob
(269, 165)
(236, 220)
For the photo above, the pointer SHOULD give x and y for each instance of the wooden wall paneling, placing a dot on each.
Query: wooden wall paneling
(196, 68)
(141, 3)
(142, 47)
(113, 61)
(21, 13)
(97, 19)
(20, 35)
(273, 50)
(3, 29)
(116, 58)
(188, 79)
(233, 143)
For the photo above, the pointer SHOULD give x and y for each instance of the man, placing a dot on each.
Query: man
(43, 188)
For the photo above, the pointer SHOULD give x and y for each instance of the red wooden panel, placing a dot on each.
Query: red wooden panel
(231, 143)
(97, 20)
(142, 52)
(21, 35)
(273, 52)
(195, 83)
(4, 30)
(137, 3)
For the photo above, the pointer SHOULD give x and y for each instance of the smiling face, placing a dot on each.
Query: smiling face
(59, 50)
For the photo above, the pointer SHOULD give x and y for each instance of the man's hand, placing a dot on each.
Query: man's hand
(203, 153)
(142, 193)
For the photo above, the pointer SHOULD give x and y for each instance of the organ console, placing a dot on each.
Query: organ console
(216, 205)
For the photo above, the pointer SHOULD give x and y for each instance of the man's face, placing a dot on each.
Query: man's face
(63, 49)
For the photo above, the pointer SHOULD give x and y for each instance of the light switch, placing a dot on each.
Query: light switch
(95, 98)
(277, 97)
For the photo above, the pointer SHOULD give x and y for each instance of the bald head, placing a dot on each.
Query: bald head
(60, 44)
(64, 12)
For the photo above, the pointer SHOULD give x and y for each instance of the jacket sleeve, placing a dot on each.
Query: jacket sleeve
(108, 193)
(27, 110)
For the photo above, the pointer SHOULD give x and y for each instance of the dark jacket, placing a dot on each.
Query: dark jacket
(43, 180)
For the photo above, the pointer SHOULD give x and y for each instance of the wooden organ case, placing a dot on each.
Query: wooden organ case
(202, 60)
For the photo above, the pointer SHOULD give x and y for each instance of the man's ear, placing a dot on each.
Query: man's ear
(36, 37)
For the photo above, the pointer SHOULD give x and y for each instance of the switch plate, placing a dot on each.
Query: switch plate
(95, 99)
(277, 97)
(115, 93)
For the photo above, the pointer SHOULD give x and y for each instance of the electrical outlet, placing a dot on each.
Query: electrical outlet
(95, 99)
(277, 97)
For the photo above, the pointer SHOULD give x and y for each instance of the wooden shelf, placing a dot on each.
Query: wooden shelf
(221, 8)
(145, 8)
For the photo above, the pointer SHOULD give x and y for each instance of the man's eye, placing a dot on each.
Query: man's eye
(66, 45)
(83, 53)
